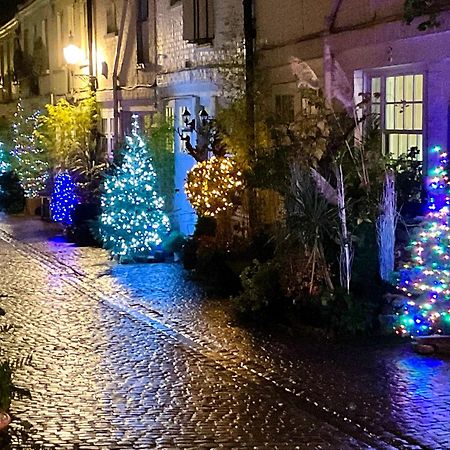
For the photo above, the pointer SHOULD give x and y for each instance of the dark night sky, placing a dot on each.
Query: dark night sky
(7, 9)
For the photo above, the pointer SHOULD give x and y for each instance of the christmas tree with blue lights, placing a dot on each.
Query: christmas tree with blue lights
(425, 280)
(132, 223)
(63, 199)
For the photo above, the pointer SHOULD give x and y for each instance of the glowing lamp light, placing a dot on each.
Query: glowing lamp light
(72, 53)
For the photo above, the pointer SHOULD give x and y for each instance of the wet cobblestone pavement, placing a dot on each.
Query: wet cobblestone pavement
(137, 357)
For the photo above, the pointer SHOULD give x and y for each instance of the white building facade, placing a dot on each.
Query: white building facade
(404, 69)
(147, 56)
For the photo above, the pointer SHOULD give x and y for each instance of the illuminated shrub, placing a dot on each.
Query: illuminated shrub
(214, 186)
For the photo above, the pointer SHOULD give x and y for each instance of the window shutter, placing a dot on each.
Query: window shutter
(198, 21)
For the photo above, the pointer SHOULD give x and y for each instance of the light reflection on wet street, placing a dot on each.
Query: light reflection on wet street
(136, 356)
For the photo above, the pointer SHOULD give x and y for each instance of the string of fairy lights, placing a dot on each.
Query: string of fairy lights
(28, 160)
(63, 199)
(425, 281)
(212, 186)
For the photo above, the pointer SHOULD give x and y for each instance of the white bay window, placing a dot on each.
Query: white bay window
(398, 100)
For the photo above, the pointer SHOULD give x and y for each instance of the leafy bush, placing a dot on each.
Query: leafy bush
(159, 135)
(261, 290)
(408, 178)
(347, 314)
(8, 390)
(419, 8)
(174, 243)
(6, 385)
(12, 196)
(84, 230)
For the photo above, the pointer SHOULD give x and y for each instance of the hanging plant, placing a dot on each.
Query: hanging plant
(421, 8)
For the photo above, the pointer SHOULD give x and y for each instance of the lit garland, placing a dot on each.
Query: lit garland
(28, 160)
(212, 186)
(426, 280)
(63, 199)
(132, 223)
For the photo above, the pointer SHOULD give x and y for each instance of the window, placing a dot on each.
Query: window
(44, 31)
(26, 38)
(198, 21)
(111, 19)
(142, 35)
(284, 108)
(169, 115)
(142, 10)
(398, 99)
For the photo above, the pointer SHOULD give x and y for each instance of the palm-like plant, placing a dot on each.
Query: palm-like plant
(311, 221)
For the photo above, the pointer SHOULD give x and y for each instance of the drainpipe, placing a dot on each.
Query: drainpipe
(155, 39)
(249, 36)
(115, 79)
(90, 30)
(331, 19)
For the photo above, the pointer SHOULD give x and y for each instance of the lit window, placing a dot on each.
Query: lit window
(398, 99)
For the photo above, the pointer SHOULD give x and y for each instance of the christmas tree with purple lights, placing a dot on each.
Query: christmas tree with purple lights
(425, 281)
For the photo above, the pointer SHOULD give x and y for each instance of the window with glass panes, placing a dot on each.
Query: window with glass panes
(398, 99)
(284, 108)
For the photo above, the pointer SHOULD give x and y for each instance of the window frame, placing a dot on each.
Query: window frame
(112, 28)
(281, 108)
(383, 74)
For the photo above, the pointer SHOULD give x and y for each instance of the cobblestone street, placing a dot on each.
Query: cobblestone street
(136, 357)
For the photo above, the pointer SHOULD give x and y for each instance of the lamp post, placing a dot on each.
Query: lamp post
(206, 135)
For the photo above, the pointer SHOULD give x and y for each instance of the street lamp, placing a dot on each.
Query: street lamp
(204, 116)
(190, 125)
(205, 131)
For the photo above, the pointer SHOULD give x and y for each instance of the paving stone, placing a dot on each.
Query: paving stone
(190, 370)
(90, 377)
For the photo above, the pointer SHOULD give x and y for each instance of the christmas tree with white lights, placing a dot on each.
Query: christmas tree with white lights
(28, 159)
(425, 281)
(132, 223)
(63, 199)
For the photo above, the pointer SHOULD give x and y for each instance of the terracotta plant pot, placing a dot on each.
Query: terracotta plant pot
(5, 420)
